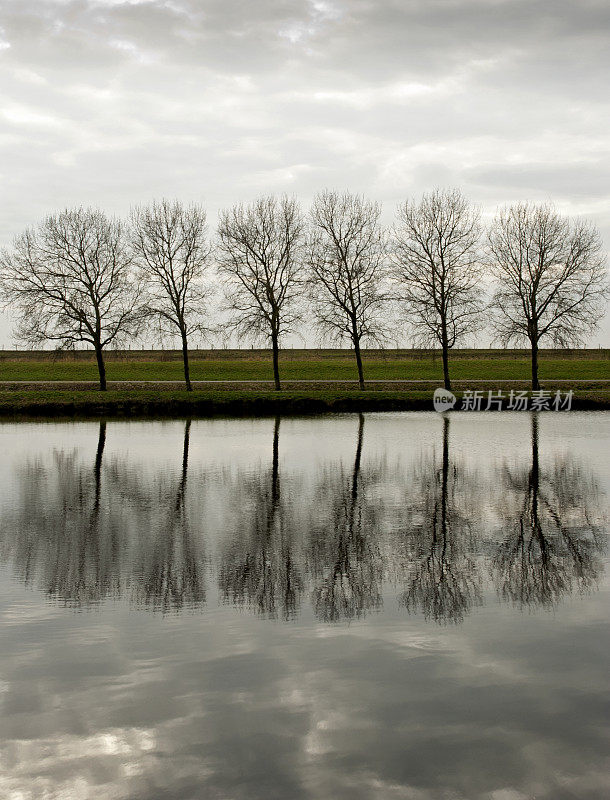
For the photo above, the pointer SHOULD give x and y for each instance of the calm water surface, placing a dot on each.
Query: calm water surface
(379, 606)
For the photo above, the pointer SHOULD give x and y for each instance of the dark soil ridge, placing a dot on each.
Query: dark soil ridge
(123, 404)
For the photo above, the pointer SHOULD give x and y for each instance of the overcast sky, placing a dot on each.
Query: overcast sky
(113, 102)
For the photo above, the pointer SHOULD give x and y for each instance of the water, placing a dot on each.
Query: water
(378, 606)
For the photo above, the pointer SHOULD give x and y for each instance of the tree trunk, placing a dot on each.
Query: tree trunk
(358, 457)
(185, 464)
(445, 352)
(356, 340)
(535, 471)
(185, 453)
(535, 382)
(276, 364)
(185, 359)
(445, 481)
(446, 380)
(101, 367)
(275, 470)
(101, 442)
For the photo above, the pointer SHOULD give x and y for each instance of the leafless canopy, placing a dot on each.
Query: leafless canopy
(71, 281)
(170, 246)
(259, 254)
(552, 537)
(347, 269)
(437, 269)
(550, 277)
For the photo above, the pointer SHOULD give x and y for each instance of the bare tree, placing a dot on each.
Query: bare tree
(440, 538)
(71, 280)
(436, 266)
(170, 245)
(551, 279)
(346, 559)
(259, 254)
(347, 269)
(85, 532)
(260, 567)
(172, 571)
(65, 528)
(552, 538)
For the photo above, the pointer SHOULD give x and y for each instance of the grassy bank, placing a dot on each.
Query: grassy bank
(516, 368)
(225, 369)
(123, 403)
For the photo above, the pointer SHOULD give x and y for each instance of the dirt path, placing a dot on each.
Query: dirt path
(316, 384)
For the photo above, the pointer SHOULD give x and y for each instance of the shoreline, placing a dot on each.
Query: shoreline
(60, 403)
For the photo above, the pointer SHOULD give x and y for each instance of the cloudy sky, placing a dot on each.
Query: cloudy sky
(112, 102)
(115, 702)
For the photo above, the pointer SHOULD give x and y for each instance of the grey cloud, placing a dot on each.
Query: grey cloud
(588, 179)
(117, 703)
(108, 102)
(281, 719)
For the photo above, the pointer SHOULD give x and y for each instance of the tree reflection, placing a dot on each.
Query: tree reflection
(442, 577)
(84, 530)
(61, 535)
(551, 540)
(258, 567)
(86, 533)
(345, 556)
(171, 573)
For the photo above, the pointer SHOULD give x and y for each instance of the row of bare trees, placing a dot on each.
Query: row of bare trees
(81, 277)
(84, 531)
